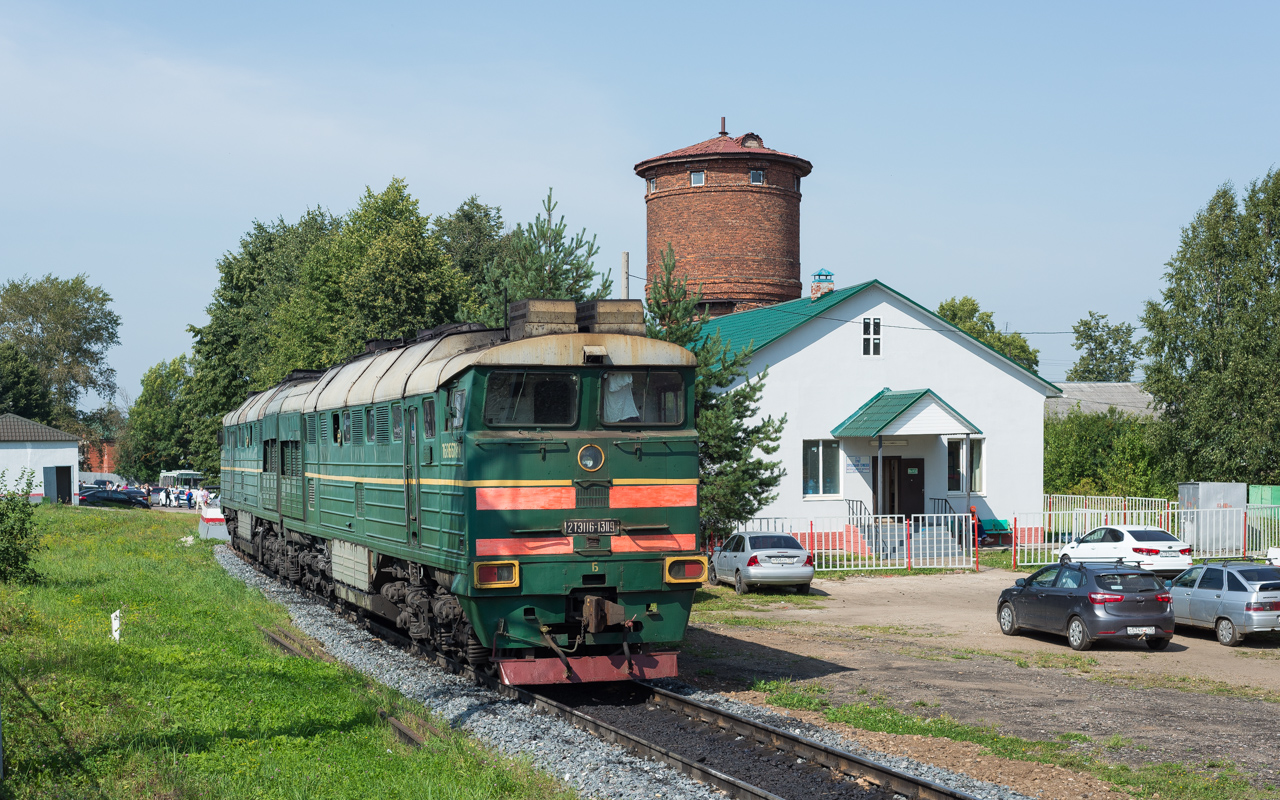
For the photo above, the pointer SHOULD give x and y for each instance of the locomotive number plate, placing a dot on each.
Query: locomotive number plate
(590, 527)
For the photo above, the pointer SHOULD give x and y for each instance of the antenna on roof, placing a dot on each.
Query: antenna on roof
(723, 132)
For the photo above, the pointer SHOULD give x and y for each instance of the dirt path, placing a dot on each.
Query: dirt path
(930, 645)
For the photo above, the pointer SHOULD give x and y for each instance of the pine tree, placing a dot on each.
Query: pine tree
(540, 260)
(736, 482)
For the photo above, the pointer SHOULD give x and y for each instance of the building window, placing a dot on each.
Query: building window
(871, 336)
(697, 178)
(797, 183)
(821, 467)
(653, 185)
(757, 177)
(976, 471)
(955, 478)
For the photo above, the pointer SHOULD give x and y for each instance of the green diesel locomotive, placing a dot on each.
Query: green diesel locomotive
(523, 498)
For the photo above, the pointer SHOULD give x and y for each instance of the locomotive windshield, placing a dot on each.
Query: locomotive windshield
(531, 399)
(644, 398)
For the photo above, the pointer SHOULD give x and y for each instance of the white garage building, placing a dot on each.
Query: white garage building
(53, 455)
(866, 376)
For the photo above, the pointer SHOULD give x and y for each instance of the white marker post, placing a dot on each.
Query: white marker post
(115, 625)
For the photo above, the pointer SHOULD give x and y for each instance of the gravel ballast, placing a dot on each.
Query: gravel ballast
(595, 768)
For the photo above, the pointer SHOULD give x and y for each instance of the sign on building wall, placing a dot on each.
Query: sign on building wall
(858, 464)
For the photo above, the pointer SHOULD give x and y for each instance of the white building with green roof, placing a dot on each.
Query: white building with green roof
(868, 380)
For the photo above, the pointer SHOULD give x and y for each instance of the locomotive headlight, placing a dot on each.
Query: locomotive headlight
(591, 458)
(496, 574)
(685, 569)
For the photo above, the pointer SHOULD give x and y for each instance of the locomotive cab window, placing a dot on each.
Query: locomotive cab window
(429, 418)
(642, 398)
(336, 427)
(370, 432)
(397, 423)
(346, 427)
(531, 399)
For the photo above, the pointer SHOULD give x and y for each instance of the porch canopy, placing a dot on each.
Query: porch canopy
(918, 412)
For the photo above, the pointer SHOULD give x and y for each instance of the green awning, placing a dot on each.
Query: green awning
(886, 407)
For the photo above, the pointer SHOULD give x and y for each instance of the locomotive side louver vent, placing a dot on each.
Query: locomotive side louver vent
(311, 429)
(593, 497)
(382, 420)
(311, 493)
(357, 428)
(324, 428)
(359, 499)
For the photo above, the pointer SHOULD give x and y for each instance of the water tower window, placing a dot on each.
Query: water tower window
(653, 185)
(757, 177)
(797, 183)
(698, 178)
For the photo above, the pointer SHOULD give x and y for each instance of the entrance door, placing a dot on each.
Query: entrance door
(892, 478)
(64, 484)
(911, 486)
(411, 473)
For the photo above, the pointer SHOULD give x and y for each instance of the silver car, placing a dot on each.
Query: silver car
(756, 558)
(1233, 598)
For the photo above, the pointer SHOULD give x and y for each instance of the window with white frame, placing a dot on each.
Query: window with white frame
(962, 465)
(653, 185)
(757, 177)
(697, 178)
(977, 473)
(821, 467)
(871, 336)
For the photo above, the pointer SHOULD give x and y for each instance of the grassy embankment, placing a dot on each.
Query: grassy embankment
(192, 703)
(1213, 781)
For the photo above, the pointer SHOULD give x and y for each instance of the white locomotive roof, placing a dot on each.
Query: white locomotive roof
(421, 368)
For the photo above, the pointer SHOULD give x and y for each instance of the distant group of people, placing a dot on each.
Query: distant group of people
(176, 496)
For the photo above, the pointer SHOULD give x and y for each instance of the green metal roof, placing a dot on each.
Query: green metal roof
(886, 406)
(762, 326)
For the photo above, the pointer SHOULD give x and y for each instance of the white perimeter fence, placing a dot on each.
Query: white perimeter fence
(1057, 503)
(943, 541)
(1211, 532)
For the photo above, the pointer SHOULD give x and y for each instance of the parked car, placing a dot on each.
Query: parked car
(110, 498)
(1234, 598)
(756, 558)
(1087, 602)
(1153, 549)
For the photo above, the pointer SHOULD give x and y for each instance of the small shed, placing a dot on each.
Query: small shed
(53, 455)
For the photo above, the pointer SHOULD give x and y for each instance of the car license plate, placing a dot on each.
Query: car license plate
(1169, 554)
(590, 527)
(1146, 629)
(780, 560)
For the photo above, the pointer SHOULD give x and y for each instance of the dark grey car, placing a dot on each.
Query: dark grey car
(1087, 602)
(1233, 598)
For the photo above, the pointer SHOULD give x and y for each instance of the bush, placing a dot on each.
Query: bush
(1102, 454)
(19, 539)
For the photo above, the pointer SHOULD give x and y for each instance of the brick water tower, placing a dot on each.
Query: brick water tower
(730, 209)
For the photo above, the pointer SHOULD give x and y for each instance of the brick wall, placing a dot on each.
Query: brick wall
(740, 242)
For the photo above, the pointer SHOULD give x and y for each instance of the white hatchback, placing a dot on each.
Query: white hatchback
(1153, 549)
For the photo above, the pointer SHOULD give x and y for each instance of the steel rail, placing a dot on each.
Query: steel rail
(839, 761)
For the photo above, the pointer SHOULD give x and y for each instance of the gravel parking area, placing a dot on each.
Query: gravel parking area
(594, 768)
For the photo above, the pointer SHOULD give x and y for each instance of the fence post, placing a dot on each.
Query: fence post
(908, 545)
(976, 567)
(1244, 552)
(1015, 542)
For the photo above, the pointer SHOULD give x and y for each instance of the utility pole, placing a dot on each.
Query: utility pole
(626, 275)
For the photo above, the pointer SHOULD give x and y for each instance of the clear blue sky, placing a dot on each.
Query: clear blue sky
(1040, 159)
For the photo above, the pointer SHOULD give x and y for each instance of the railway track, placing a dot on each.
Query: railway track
(741, 757)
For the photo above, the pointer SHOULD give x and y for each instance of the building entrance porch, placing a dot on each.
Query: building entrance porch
(903, 486)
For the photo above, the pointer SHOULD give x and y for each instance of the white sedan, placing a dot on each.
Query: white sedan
(1150, 548)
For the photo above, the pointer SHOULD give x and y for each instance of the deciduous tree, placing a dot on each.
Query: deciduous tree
(966, 315)
(472, 236)
(157, 434)
(736, 477)
(22, 388)
(1213, 342)
(65, 327)
(1109, 351)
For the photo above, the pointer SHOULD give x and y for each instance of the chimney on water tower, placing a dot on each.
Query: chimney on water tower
(823, 282)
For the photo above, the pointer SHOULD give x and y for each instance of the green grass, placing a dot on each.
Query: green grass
(711, 598)
(1212, 781)
(191, 703)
